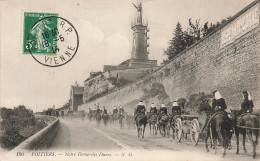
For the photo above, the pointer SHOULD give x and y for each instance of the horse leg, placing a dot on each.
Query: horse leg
(137, 130)
(206, 141)
(249, 134)
(222, 141)
(150, 128)
(143, 130)
(215, 144)
(237, 140)
(168, 131)
(244, 142)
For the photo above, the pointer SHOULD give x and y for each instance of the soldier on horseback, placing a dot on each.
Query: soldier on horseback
(139, 109)
(121, 110)
(153, 110)
(115, 110)
(162, 111)
(218, 106)
(247, 105)
(105, 110)
(176, 110)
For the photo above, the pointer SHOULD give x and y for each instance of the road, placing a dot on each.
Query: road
(82, 135)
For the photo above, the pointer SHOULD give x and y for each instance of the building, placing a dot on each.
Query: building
(76, 96)
(112, 77)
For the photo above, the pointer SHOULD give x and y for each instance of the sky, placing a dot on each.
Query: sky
(105, 38)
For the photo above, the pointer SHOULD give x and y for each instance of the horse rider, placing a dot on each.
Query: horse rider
(176, 110)
(105, 110)
(115, 110)
(153, 110)
(162, 111)
(139, 109)
(218, 105)
(99, 111)
(247, 105)
(121, 110)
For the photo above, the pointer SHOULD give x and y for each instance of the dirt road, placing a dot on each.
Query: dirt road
(83, 135)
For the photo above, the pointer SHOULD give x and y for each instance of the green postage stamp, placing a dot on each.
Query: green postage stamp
(39, 36)
(51, 40)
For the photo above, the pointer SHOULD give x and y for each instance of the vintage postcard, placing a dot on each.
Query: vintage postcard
(139, 80)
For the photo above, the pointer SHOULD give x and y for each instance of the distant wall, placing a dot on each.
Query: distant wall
(228, 60)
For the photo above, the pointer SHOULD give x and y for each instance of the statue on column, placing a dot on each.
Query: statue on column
(139, 10)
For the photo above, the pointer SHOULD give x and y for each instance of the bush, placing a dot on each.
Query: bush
(17, 125)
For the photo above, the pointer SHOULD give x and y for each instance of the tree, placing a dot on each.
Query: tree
(193, 32)
(177, 44)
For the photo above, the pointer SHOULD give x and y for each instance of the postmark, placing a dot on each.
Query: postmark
(52, 41)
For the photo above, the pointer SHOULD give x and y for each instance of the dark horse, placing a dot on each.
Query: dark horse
(90, 115)
(141, 121)
(115, 117)
(164, 125)
(153, 123)
(246, 124)
(121, 120)
(105, 118)
(219, 128)
(98, 118)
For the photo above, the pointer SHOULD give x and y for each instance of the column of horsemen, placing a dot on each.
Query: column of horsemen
(218, 107)
(239, 121)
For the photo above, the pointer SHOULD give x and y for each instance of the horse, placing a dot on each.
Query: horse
(105, 118)
(220, 128)
(98, 118)
(70, 113)
(141, 121)
(164, 126)
(121, 120)
(246, 124)
(82, 114)
(153, 119)
(90, 115)
(129, 120)
(115, 118)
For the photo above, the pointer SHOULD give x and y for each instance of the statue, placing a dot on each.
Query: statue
(139, 10)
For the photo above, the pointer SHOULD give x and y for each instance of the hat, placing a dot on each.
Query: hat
(217, 95)
(175, 103)
(140, 103)
(162, 105)
(153, 105)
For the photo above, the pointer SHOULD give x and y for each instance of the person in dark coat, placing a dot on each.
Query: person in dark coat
(163, 111)
(105, 110)
(153, 109)
(247, 105)
(121, 110)
(99, 111)
(57, 113)
(218, 104)
(115, 110)
(139, 109)
(176, 110)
